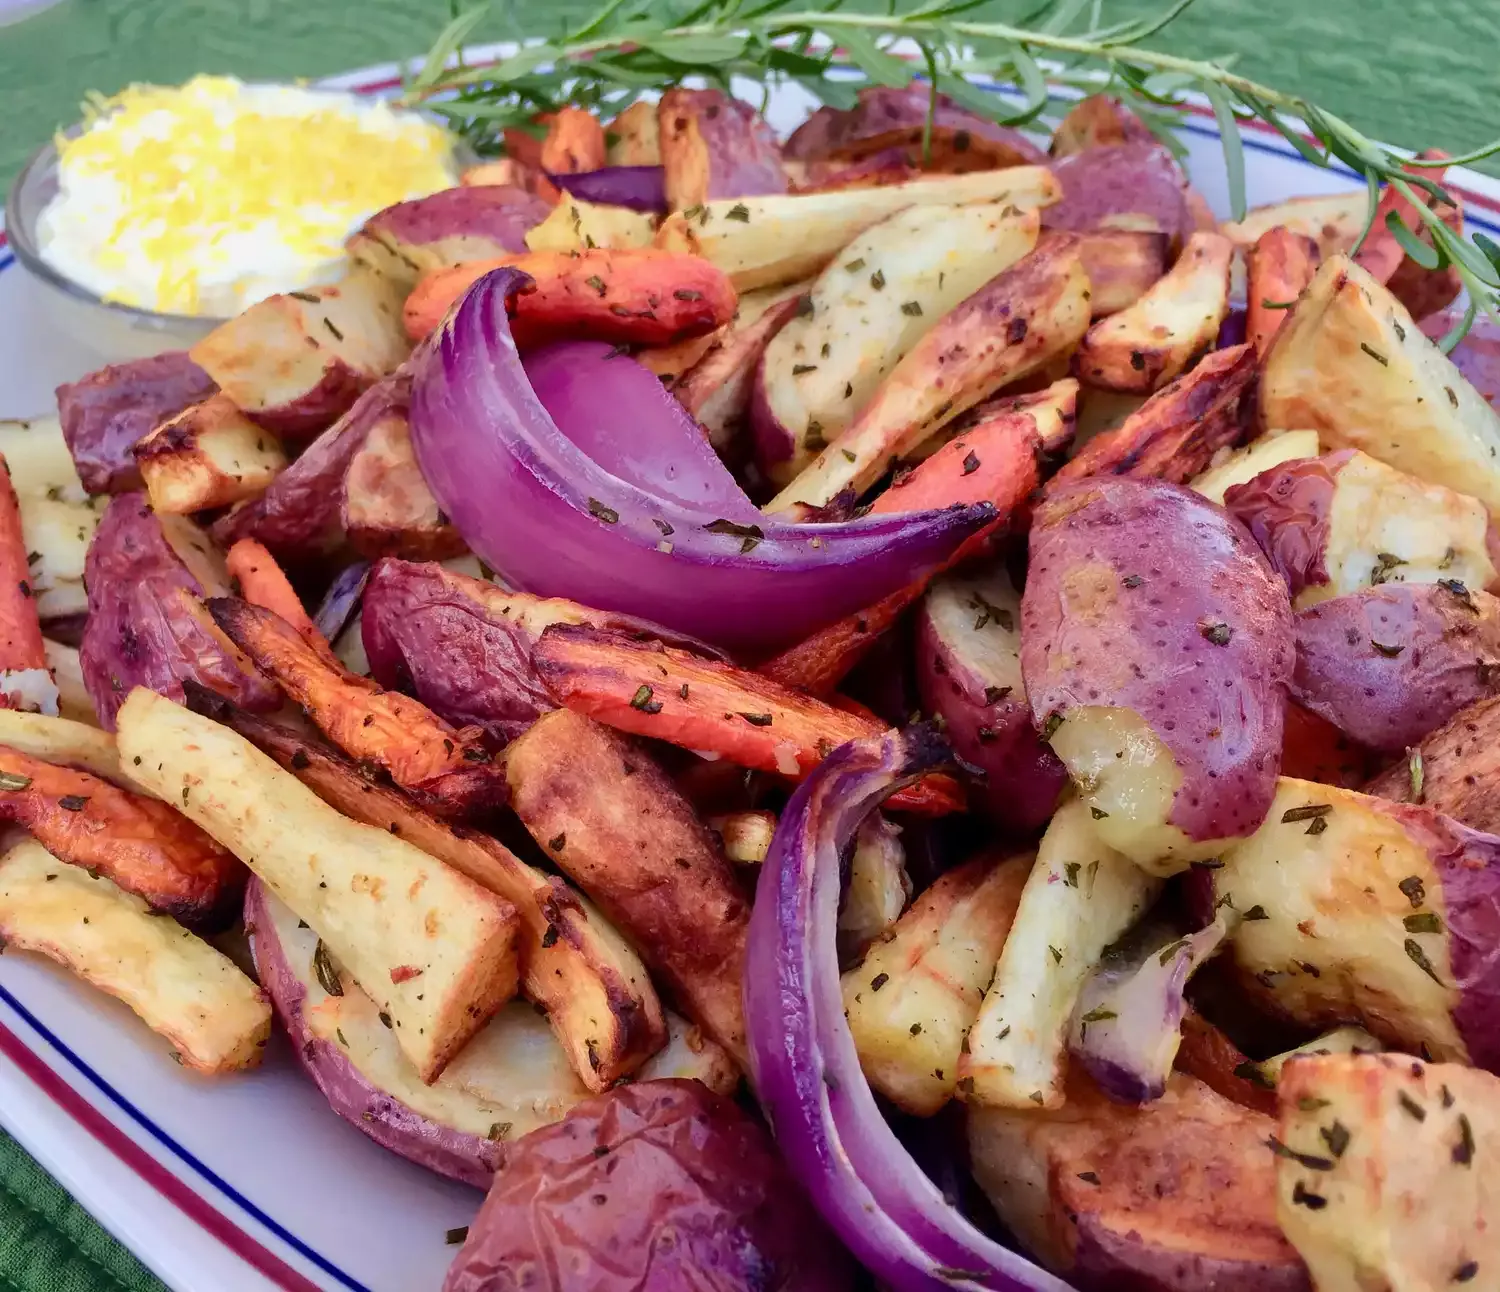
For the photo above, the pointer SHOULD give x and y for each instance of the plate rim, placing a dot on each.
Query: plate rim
(167, 1177)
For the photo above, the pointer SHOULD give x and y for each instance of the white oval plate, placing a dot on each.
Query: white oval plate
(252, 1183)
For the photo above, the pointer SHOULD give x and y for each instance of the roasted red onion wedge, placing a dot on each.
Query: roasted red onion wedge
(540, 510)
(807, 1073)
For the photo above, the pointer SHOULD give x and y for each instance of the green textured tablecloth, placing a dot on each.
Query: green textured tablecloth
(1412, 72)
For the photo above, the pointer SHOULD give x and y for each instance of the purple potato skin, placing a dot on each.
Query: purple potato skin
(424, 634)
(890, 118)
(1389, 664)
(1142, 595)
(713, 146)
(1108, 1260)
(139, 631)
(484, 212)
(1023, 778)
(1287, 509)
(658, 1186)
(457, 1154)
(1101, 185)
(1477, 356)
(105, 413)
(300, 516)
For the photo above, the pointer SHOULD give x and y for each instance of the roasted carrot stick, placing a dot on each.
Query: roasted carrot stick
(20, 629)
(1381, 253)
(575, 142)
(628, 295)
(650, 689)
(1278, 267)
(262, 583)
(993, 461)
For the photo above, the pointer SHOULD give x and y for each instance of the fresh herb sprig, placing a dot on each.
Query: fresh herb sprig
(631, 46)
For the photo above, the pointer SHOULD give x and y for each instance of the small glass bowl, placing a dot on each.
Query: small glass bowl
(117, 332)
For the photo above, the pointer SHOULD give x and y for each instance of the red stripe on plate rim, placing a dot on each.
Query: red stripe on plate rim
(149, 1169)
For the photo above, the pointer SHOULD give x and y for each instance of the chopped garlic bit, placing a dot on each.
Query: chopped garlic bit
(204, 198)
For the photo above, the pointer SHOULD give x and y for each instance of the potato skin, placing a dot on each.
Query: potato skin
(594, 1197)
(1477, 356)
(104, 414)
(1287, 509)
(1388, 664)
(1130, 583)
(1460, 769)
(1124, 186)
(714, 146)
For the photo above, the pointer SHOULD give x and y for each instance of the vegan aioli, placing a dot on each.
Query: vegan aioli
(204, 198)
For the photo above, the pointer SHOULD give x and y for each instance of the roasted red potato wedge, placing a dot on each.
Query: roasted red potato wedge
(614, 823)
(294, 363)
(1122, 267)
(1351, 364)
(1177, 1194)
(446, 770)
(1334, 524)
(714, 146)
(450, 227)
(634, 137)
(105, 414)
(1014, 325)
(299, 516)
(1175, 434)
(959, 140)
(209, 455)
(1477, 356)
(146, 627)
(574, 142)
(1313, 749)
(1124, 576)
(502, 172)
(136, 842)
(649, 689)
(1278, 269)
(388, 509)
(215, 1018)
(633, 295)
(1387, 665)
(1099, 121)
(1355, 909)
(1379, 1164)
(1243, 464)
(1142, 348)
(1333, 222)
(1455, 770)
(593, 988)
(1131, 186)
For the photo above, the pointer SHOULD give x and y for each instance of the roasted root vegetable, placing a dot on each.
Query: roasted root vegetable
(634, 137)
(1242, 465)
(58, 534)
(1209, 1055)
(293, 363)
(1353, 909)
(262, 583)
(1122, 266)
(388, 510)
(1177, 1194)
(745, 836)
(500, 172)
(1342, 1040)
(883, 292)
(146, 625)
(1277, 270)
(216, 1020)
(1387, 665)
(208, 455)
(1143, 347)
(611, 820)
(1014, 325)
(969, 672)
(450, 227)
(1079, 897)
(433, 949)
(300, 515)
(1333, 221)
(1477, 356)
(1423, 288)
(650, 689)
(1098, 121)
(1352, 365)
(73, 701)
(1381, 1171)
(574, 142)
(39, 461)
(576, 225)
(946, 136)
(1334, 524)
(592, 987)
(138, 843)
(448, 771)
(1135, 187)
(1313, 749)
(106, 413)
(713, 146)
(631, 295)
(878, 888)
(1129, 579)
(913, 999)
(1455, 769)
(24, 680)
(783, 238)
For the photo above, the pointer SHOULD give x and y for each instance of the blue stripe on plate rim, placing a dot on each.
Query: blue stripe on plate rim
(216, 1181)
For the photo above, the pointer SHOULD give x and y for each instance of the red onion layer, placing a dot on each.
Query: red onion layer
(807, 1073)
(641, 188)
(542, 512)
